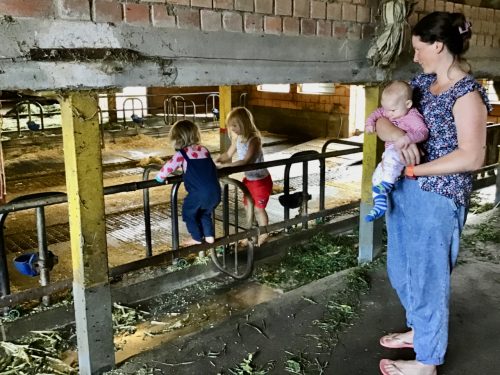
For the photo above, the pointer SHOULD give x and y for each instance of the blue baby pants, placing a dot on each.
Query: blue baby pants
(423, 242)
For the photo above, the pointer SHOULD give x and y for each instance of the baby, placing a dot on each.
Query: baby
(396, 107)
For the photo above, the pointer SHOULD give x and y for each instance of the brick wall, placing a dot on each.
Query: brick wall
(485, 21)
(352, 19)
(279, 17)
(336, 103)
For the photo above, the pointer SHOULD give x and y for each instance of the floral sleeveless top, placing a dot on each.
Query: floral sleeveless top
(438, 115)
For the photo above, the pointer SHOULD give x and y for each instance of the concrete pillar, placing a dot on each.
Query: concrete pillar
(91, 289)
(224, 109)
(370, 234)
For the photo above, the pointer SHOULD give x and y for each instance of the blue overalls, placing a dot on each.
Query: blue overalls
(202, 185)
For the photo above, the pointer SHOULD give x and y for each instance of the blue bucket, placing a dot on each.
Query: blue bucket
(26, 264)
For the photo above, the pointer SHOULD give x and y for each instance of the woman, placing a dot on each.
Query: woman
(427, 210)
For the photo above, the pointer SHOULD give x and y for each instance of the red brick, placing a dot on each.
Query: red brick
(272, 25)
(363, 14)
(75, 10)
(188, 18)
(210, 20)
(232, 21)
(108, 11)
(339, 30)
(301, 8)
(308, 27)
(253, 23)
(264, 6)
(283, 7)
(223, 4)
(201, 3)
(429, 5)
(318, 9)
(244, 5)
(348, 12)
(324, 28)
(161, 18)
(440, 6)
(291, 26)
(137, 14)
(334, 11)
(27, 8)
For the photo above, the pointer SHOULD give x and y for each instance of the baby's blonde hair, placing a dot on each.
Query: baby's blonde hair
(243, 118)
(400, 89)
(184, 133)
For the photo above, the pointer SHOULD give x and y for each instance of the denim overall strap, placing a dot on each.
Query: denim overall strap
(423, 242)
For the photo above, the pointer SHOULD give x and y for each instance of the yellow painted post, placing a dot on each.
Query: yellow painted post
(224, 109)
(370, 233)
(91, 289)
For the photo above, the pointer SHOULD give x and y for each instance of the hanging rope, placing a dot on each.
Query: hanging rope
(394, 29)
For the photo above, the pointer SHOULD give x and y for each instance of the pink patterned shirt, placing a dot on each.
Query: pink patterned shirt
(177, 161)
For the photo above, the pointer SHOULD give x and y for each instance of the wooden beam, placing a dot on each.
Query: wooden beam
(370, 233)
(224, 109)
(91, 289)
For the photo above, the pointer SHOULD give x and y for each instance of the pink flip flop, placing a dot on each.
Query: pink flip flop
(385, 362)
(392, 341)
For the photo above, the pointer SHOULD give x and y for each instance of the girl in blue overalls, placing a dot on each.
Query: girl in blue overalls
(200, 181)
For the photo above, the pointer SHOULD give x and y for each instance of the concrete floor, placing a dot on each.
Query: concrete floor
(290, 327)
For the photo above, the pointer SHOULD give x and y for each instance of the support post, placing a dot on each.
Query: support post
(91, 289)
(497, 195)
(112, 113)
(224, 109)
(370, 233)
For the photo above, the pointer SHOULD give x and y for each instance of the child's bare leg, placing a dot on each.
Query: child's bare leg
(262, 220)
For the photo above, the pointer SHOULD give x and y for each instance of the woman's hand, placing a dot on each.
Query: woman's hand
(410, 155)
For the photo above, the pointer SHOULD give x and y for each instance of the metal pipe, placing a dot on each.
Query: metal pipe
(225, 219)
(43, 254)
(305, 194)
(147, 209)
(174, 212)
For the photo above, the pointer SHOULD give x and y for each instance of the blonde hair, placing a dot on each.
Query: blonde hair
(243, 118)
(184, 133)
(399, 89)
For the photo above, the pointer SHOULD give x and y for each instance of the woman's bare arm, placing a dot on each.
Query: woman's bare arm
(470, 116)
(387, 131)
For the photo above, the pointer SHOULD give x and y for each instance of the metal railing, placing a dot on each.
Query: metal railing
(228, 241)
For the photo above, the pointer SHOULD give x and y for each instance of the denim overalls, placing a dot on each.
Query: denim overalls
(202, 185)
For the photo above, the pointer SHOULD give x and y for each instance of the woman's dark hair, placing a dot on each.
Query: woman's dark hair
(452, 29)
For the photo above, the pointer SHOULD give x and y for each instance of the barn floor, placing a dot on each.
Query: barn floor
(278, 327)
(288, 336)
